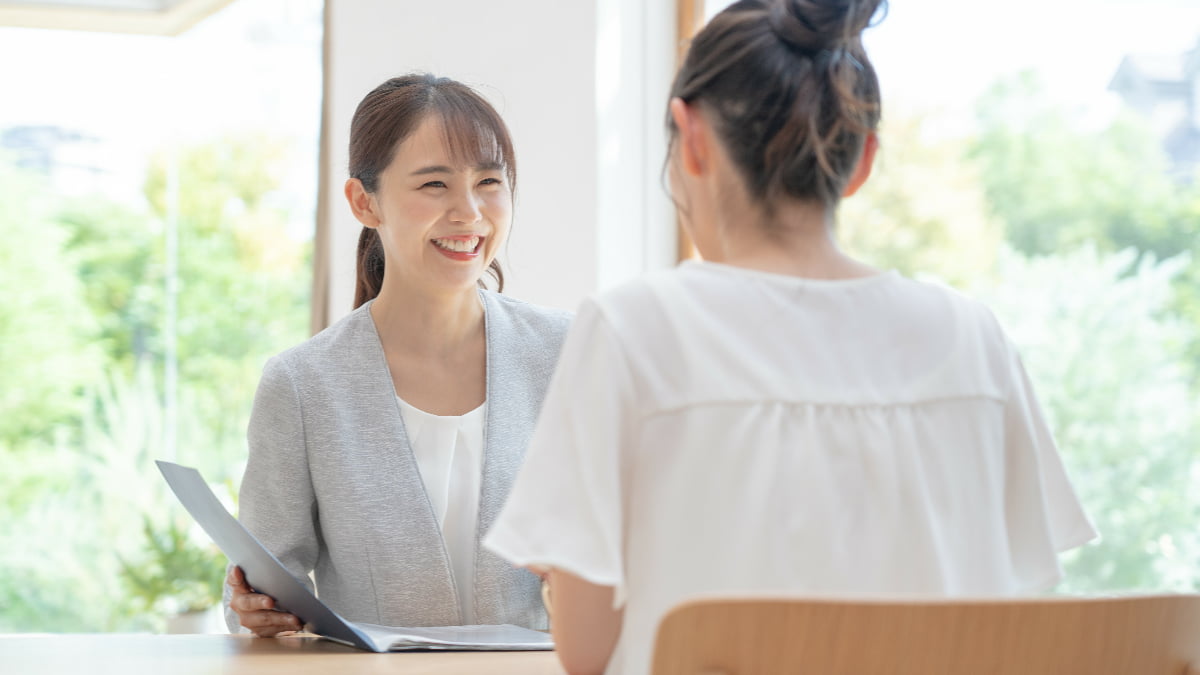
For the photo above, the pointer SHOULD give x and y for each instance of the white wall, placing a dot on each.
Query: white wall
(635, 57)
(582, 86)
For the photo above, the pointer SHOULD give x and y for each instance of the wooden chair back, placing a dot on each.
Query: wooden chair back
(1129, 635)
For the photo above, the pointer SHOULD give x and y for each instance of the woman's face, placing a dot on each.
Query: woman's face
(441, 223)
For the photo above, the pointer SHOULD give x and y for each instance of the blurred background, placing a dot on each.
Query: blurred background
(170, 217)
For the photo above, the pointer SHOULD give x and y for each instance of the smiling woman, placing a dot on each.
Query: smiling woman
(381, 448)
(429, 205)
(466, 132)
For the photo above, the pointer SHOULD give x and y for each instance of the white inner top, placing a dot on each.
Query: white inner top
(713, 429)
(449, 453)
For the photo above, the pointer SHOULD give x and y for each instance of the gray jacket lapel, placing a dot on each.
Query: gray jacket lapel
(417, 540)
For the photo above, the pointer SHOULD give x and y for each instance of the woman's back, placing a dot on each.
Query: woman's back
(743, 426)
(871, 435)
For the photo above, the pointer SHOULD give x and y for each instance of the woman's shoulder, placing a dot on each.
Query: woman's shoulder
(966, 307)
(342, 340)
(525, 318)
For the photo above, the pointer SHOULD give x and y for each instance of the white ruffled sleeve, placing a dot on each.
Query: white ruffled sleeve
(1043, 514)
(565, 508)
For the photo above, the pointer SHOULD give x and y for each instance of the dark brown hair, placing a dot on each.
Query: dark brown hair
(790, 92)
(475, 135)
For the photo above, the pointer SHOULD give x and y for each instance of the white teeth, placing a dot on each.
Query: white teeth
(458, 245)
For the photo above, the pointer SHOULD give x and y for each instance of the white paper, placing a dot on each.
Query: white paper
(505, 637)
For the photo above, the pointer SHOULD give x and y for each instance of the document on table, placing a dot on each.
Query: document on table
(267, 575)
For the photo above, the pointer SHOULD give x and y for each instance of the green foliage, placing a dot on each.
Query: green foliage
(46, 358)
(82, 397)
(118, 256)
(243, 284)
(176, 574)
(1056, 184)
(65, 522)
(57, 570)
(1105, 360)
(1111, 335)
(66, 512)
(923, 211)
(244, 288)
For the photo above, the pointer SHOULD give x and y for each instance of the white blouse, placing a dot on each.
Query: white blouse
(715, 429)
(449, 454)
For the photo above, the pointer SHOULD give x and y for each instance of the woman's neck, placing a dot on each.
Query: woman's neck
(796, 239)
(416, 321)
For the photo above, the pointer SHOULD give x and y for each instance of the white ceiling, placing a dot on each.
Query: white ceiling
(153, 17)
(138, 5)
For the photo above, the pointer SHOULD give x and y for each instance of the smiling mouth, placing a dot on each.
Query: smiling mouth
(466, 244)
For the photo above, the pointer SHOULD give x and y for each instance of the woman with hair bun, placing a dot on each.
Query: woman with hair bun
(383, 447)
(780, 417)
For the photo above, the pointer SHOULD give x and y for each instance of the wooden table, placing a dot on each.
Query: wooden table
(239, 654)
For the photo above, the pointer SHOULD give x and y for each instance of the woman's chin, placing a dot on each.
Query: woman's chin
(462, 281)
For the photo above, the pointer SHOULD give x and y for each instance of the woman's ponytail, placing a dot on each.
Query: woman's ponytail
(369, 268)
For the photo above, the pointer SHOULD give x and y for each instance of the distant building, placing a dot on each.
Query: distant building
(75, 163)
(1165, 88)
(35, 147)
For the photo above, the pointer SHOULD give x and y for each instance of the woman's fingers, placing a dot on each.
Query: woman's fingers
(268, 623)
(250, 602)
(237, 581)
(257, 611)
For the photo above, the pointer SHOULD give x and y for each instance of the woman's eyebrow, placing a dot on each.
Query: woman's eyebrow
(482, 166)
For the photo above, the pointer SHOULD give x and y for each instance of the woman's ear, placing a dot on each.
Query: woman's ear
(693, 137)
(863, 170)
(362, 203)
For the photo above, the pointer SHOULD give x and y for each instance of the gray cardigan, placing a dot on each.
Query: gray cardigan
(332, 486)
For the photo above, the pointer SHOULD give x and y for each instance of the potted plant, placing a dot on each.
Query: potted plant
(176, 576)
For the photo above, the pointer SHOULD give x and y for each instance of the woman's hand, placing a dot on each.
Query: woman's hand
(257, 611)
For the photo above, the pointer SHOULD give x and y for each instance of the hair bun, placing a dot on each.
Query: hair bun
(814, 25)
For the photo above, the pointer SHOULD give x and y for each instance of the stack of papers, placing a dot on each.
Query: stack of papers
(457, 638)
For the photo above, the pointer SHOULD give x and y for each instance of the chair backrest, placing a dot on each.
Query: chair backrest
(1130, 635)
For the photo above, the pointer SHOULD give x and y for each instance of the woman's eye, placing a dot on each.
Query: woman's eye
(490, 181)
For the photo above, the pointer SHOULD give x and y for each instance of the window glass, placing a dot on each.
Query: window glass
(157, 200)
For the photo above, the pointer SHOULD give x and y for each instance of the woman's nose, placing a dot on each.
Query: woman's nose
(465, 209)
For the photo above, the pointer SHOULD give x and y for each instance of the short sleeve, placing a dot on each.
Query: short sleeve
(276, 502)
(1042, 513)
(565, 508)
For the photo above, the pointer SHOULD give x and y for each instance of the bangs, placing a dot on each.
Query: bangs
(474, 135)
